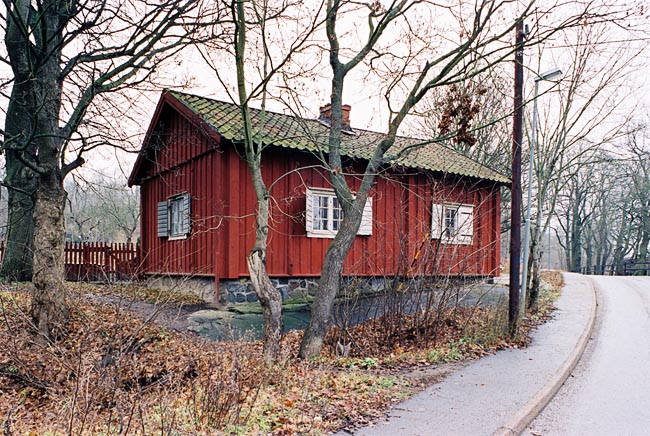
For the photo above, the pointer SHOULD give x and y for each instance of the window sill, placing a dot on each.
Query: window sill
(453, 242)
(329, 235)
(177, 238)
(324, 234)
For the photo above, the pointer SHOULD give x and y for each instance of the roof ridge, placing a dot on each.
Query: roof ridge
(296, 132)
(236, 104)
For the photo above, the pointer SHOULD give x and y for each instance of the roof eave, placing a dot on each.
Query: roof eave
(133, 177)
(168, 99)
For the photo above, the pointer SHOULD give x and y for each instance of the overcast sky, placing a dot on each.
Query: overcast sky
(362, 89)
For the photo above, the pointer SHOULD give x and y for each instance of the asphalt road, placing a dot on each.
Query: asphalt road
(608, 393)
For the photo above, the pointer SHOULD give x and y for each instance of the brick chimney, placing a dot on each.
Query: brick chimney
(326, 116)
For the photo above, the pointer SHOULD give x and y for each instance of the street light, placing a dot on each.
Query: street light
(548, 75)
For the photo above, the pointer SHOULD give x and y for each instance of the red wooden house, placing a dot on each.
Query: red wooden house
(432, 211)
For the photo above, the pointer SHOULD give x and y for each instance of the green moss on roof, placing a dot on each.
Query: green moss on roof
(311, 135)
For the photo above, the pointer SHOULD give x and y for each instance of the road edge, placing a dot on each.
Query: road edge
(518, 423)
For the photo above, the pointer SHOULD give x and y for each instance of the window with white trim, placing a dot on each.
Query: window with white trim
(453, 223)
(324, 214)
(174, 217)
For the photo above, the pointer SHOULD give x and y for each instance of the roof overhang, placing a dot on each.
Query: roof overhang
(167, 99)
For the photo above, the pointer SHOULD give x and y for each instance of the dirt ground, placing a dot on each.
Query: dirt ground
(171, 315)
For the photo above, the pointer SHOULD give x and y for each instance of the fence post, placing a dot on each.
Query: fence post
(107, 260)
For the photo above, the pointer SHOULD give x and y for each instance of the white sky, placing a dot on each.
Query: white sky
(361, 92)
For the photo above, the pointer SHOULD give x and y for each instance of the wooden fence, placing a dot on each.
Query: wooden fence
(624, 269)
(98, 261)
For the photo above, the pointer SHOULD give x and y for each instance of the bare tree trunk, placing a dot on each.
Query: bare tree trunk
(269, 297)
(643, 246)
(271, 302)
(17, 261)
(328, 287)
(529, 267)
(50, 309)
(535, 281)
(21, 183)
(535, 261)
(576, 245)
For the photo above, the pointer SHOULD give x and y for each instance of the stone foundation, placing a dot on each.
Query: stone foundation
(241, 290)
(203, 287)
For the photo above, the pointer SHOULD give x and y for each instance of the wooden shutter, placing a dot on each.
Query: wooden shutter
(437, 220)
(163, 219)
(365, 229)
(186, 214)
(309, 212)
(465, 224)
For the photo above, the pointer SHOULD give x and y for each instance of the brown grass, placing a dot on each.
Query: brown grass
(116, 374)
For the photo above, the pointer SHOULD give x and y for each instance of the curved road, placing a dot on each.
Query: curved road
(608, 393)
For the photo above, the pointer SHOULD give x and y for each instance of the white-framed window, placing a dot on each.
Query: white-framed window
(453, 223)
(174, 217)
(324, 214)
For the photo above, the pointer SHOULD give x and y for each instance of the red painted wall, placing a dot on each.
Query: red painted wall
(223, 204)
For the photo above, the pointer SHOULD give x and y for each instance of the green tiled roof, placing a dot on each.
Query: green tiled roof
(311, 135)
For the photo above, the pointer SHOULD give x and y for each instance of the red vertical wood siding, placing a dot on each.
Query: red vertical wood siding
(190, 163)
(223, 206)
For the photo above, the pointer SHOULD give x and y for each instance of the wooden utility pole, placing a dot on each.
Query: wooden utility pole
(515, 219)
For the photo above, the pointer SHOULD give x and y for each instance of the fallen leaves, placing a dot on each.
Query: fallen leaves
(114, 368)
(116, 373)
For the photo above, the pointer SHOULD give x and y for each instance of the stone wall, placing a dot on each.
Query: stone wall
(241, 290)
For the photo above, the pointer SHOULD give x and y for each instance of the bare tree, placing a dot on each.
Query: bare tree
(581, 115)
(640, 188)
(480, 111)
(574, 218)
(602, 209)
(263, 49)
(65, 57)
(101, 210)
(430, 60)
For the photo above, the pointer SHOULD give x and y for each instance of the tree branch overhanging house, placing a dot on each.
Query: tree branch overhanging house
(197, 202)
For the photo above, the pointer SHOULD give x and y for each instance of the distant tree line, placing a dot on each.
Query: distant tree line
(102, 210)
(604, 208)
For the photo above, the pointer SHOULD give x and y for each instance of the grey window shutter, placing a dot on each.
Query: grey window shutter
(163, 219)
(186, 214)
(365, 229)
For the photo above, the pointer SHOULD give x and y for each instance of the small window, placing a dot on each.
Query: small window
(324, 214)
(321, 208)
(174, 217)
(176, 225)
(453, 223)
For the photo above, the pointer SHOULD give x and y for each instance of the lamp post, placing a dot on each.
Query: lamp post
(548, 75)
